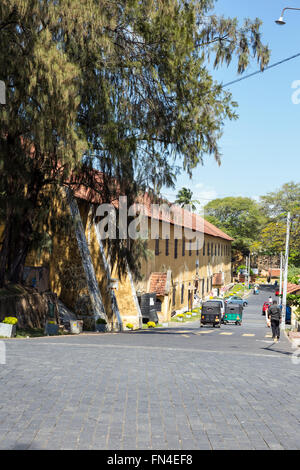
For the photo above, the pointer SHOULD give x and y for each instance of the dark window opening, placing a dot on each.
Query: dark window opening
(157, 246)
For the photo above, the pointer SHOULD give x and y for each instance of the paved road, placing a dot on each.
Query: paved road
(179, 388)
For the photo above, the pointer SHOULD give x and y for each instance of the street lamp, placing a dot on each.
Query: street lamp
(280, 20)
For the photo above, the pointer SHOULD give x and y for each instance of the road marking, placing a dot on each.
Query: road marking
(185, 336)
(205, 332)
(227, 334)
(248, 334)
(268, 336)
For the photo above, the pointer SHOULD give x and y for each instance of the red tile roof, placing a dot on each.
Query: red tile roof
(158, 283)
(218, 279)
(293, 288)
(274, 272)
(177, 216)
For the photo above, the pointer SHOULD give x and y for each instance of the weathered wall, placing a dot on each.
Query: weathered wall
(66, 273)
(31, 309)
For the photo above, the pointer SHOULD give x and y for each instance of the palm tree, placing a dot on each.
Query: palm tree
(184, 198)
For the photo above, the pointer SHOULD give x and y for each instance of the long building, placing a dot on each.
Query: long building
(175, 269)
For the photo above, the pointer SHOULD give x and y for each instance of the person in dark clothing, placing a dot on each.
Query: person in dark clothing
(274, 315)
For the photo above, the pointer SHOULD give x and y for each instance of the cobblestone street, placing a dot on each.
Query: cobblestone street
(178, 388)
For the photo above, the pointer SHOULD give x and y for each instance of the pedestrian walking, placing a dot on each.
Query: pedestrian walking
(274, 315)
(270, 300)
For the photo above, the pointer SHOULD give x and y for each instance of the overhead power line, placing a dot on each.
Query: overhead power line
(261, 71)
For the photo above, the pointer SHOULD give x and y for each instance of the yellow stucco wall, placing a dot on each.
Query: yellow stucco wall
(184, 269)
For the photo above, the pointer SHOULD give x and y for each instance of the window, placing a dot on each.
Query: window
(176, 248)
(212, 249)
(174, 297)
(182, 293)
(197, 247)
(190, 247)
(219, 249)
(183, 247)
(208, 249)
(215, 249)
(167, 247)
(203, 287)
(204, 248)
(207, 285)
(157, 246)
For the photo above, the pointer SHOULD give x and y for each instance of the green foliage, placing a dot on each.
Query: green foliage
(294, 274)
(260, 227)
(239, 217)
(276, 206)
(293, 300)
(184, 199)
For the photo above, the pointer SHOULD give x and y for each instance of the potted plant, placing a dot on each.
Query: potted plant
(180, 316)
(129, 326)
(8, 327)
(188, 314)
(151, 324)
(101, 325)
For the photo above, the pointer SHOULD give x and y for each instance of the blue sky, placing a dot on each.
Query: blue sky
(261, 149)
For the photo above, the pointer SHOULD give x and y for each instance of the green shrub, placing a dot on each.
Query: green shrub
(101, 321)
(151, 324)
(129, 326)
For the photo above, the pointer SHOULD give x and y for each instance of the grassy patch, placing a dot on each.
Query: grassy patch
(35, 332)
(186, 320)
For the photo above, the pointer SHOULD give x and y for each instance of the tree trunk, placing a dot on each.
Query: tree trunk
(4, 253)
(15, 247)
(19, 252)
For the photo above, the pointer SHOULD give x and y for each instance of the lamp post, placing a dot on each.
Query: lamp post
(286, 267)
(280, 282)
(280, 20)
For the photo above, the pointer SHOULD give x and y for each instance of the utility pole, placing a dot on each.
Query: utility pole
(286, 267)
(249, 270)
(280, 282)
